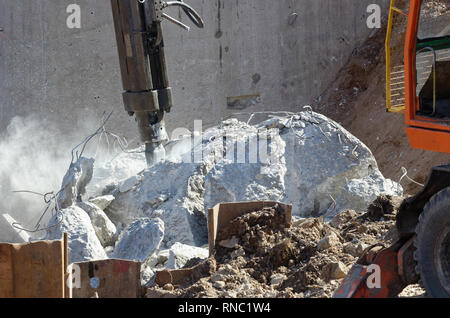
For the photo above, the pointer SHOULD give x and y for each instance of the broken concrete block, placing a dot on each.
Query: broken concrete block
(75, 181)
(261, 179)
(342, 218)
(147, 275)
(337, 270)
(359, 194)
(355, 249)
(83, 242)
(167, 191)
(163, 257)
(351, 249)
(321, 159)
(140, 240)
(310, 160)
(11, 234)
(330, 241)
(104, 228)
(180, 254)
(103, 202)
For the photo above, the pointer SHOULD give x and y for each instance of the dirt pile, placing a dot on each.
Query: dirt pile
(259, 256)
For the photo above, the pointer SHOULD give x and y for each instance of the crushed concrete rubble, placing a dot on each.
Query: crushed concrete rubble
(310, 161)
(180, 254)
(102, 202)
(140, 240)
(307, 259)
(84, 244)
(157, 215)
(75, 181)
(106, 230)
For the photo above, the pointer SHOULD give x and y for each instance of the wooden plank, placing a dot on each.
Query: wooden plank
(6, 272)
(32, 270)
(187, 276)
(109, 279)
(222, 214)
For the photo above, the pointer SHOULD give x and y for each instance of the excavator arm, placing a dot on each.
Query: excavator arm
(147, 96)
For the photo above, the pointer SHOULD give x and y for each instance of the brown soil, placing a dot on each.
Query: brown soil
(356, 99)
(264, 258)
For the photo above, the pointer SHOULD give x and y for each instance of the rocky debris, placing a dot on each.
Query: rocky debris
(236, 178)
(358, 194)
(310, 160)
(75, 182)
(342, 218)
(413, 291)
(180, 254)
(177, 257)
(202, 270)
(140, 240)
(83, 242)
(106, 231)
(159, 213)
(103, 201)
(147, 276)
(321, 159)
(335, 270)
(272, 260)
(160, 260)
(109, 175)
(166, 192)
(329, 241)
(355, 248)
(277, 279)
(384, 205)
(9, 233)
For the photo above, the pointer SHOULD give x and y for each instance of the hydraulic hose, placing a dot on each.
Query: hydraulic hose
(189, 11)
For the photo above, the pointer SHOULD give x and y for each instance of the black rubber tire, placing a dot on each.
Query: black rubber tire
(433, 223)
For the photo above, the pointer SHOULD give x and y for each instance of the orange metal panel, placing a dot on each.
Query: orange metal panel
(355, 285)
(424, 133)
(431, 140)
(410, 59)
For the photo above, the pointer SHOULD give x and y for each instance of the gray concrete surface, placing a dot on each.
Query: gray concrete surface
(249, 47)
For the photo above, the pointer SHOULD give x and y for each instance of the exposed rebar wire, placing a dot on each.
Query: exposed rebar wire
(405, 175)
(189, 11)
(326, 215)
(86, 141)
(50, 198)
(309, 108)
(30, 192)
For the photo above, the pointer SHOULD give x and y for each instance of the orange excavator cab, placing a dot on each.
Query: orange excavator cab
(427, 73)
(418, 85)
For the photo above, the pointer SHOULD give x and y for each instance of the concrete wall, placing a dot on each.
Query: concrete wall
(247, 48)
